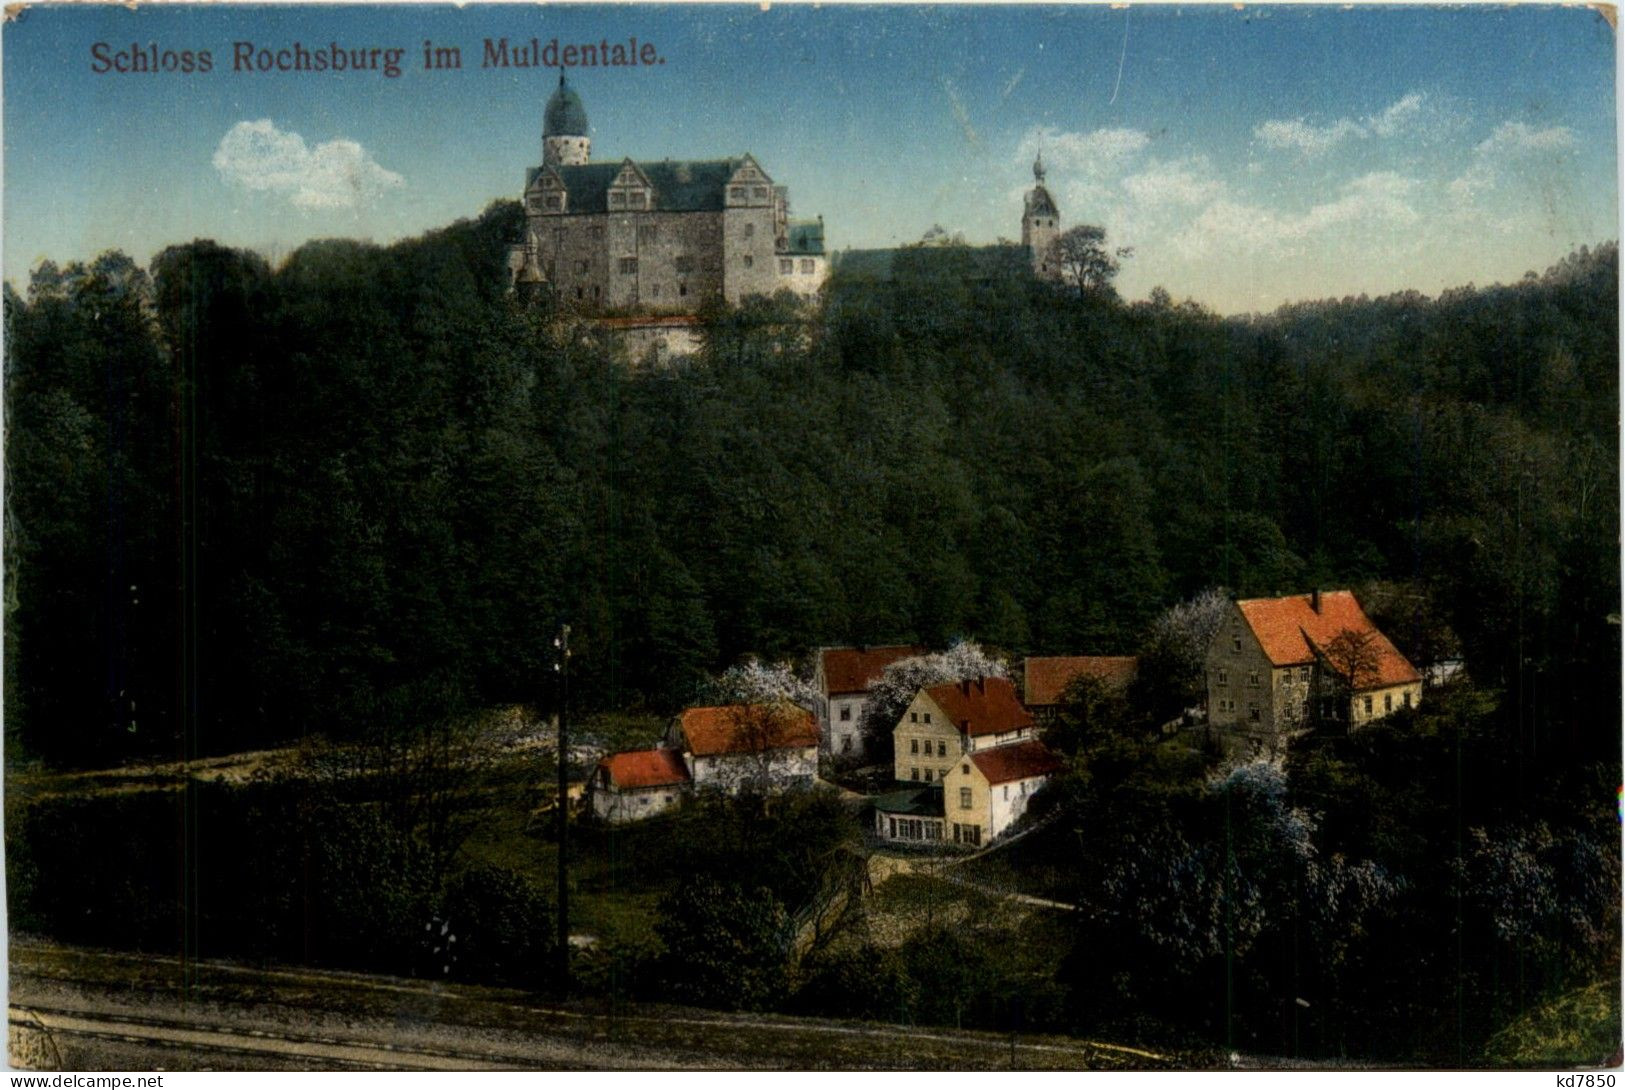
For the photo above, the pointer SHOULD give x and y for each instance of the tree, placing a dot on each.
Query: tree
(1173, 657)
(890, 694)
(725, 944)
(1084, 262)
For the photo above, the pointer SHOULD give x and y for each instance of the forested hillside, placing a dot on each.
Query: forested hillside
(249, 503)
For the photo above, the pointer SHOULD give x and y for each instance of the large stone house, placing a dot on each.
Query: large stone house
(1278, 665)
(842, 678)
(1045, 680)
(944, 722)
(747, 747)
(656, 237)
(640, 784)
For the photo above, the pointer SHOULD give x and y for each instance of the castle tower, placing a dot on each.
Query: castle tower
(565, 142)
(1040, 221)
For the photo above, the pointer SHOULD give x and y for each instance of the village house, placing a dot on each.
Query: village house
(842, 678)
(640, 784)
(747, 747)
(1278, 665)
(1046, 680)
(986, 791)
(944, 722)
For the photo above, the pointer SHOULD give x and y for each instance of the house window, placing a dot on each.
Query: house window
(1303, 673)
(617, 200)
(928, 775)
(846, 744)
(1007, 792)
(1407, 698)
(846, 714)
(636, 200)
(913, 717)
(786, 266)
(914, 745)
(553, 202)
(1235, 643)
(965, 769)
(1387, 702)
(1368, 705)
(760, 192)
(964, 798)
(942, 749)
(737, 193)
(1224, 677)
(893, 827)
(928, 717)
(1023, 787)
(1252, 712)
(913, 773)
(807, 265)
(629, 266)
(1252, 678)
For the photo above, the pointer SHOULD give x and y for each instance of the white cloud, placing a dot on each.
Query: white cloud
(1380, 200)
(1100, 152)
(1517, 138)
(1309, 139)
(1512, 141)
(1183, 182)
(338, 174)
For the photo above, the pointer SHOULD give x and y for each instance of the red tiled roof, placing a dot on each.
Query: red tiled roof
(1047, 678)
(645, 768)
(1002, 764)
(981, 706)
(1291, 631)
(851, 669)
(747, 728)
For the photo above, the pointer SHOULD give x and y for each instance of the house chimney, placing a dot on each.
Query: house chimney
(1314, 600)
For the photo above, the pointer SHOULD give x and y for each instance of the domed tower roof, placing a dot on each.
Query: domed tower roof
(565, 115)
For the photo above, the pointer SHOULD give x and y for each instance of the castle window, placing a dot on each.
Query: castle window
(629, 266)
(1252, 678)
(749, 261)
(682, 289)
(750, 230)
(807, 265)
(1224, 677)
(1252, 712)
(578, 293)
(786, 266)
(683, 263)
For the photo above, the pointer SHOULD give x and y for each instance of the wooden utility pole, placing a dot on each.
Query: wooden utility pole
(561, 671)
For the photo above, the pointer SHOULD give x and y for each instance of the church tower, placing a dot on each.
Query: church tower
(1040, 221)
(565, 142)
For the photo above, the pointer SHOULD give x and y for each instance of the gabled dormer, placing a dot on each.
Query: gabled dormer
(749, 186)
(547, 194)
(631, 191)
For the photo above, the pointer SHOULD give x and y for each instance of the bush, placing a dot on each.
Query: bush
(500, 928)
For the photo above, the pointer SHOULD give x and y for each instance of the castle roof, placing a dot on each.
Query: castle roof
(806, 237)
(1294, 629)
(565, 115)
(1040, 203)
(690, 185)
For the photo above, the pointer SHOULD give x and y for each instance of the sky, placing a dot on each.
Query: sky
(1250, 156)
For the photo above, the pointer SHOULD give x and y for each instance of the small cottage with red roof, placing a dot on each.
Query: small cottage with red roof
(1280, 664)
(986, 791)
(842, 678)
(639, 784)
(944, 722)
(738, 747)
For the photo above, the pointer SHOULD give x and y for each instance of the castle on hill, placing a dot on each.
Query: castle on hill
(656, 237)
